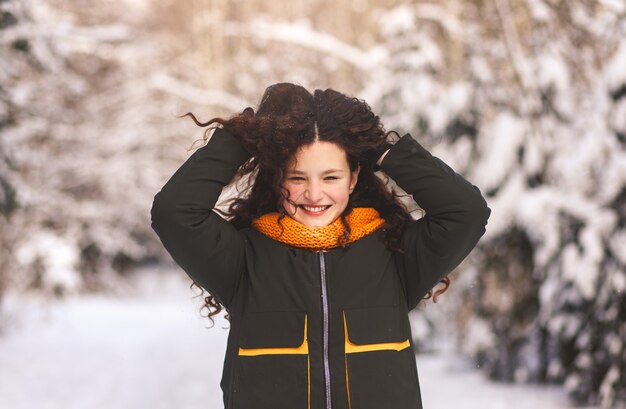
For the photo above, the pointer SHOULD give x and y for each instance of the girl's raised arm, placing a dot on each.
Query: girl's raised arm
(456, 216)
(208, 248)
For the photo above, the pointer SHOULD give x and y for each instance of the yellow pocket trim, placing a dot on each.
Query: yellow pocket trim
(345, 361)
(351, 348)
(302, 349)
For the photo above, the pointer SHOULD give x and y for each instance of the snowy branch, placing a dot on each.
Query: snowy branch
(180, 89)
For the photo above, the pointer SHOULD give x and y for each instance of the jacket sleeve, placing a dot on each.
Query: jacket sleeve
(456, 216)
(207, 247)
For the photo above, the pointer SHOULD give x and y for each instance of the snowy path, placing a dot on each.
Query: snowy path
(152, 350)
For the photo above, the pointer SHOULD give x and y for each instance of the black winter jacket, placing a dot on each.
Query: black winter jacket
(318, 330)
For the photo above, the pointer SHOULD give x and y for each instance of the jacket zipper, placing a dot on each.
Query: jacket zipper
(325, 327)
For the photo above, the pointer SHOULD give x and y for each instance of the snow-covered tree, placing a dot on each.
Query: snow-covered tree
(75, 126)
(527, 99)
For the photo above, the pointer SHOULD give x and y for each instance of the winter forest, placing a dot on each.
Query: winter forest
(525, 98)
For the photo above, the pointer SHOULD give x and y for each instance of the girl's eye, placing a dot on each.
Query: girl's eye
(299, 178)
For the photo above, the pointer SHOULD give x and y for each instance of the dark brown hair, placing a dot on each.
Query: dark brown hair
(287, 118)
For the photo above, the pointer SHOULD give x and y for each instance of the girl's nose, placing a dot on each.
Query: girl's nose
(313, 192)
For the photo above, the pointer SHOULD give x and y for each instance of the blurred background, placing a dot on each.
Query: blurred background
(525, 98)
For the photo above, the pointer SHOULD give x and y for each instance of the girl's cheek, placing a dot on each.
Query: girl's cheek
(341, 190)
(294, 192)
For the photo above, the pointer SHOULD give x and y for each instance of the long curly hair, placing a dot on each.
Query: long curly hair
(287, 118)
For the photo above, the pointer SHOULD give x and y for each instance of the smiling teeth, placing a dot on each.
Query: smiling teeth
(314, 209)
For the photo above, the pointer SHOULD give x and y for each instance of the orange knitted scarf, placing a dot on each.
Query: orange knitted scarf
(362, 221)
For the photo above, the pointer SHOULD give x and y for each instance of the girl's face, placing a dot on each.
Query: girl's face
(319, 182)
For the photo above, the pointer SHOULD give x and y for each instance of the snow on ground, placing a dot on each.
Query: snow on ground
(151, 348)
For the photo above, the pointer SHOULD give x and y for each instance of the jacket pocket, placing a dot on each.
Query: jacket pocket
(273, 366)
(377, 357)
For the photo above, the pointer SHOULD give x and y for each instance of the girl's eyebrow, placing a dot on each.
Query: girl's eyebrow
(299, 172)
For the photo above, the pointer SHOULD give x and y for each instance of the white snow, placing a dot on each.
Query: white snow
(398, 20)
(150, 348)
(301, 33)
(58, 257)
(539, 10)
(193, 94)
(479, 336)
(499, 145)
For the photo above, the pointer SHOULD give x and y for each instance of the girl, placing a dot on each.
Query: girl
(319, 266)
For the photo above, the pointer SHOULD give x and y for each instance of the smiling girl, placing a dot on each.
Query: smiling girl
(319, 263)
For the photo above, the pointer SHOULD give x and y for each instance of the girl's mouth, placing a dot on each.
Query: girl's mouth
(314, 210)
